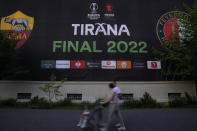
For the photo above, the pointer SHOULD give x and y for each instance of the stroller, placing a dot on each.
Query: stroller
(94, 121)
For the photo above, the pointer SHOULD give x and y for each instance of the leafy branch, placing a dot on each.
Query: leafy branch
(52, 88)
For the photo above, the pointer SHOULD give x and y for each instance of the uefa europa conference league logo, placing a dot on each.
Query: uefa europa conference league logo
(93, 14)
(18, 26)
(169, 25)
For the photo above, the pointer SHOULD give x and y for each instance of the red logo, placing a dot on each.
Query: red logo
(109, 8)
(108, 63)
(171, 29)
(154, 64)
(78, 64)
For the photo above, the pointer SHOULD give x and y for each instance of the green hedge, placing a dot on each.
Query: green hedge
(148, 102)
(131, 104)
(187, 101)
(145, 102)
(8, 103)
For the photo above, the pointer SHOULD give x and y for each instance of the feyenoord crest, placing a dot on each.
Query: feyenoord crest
(169, 24)
(18, 26)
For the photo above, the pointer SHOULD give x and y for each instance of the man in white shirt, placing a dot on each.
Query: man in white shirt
(117, 112)
(113, 100)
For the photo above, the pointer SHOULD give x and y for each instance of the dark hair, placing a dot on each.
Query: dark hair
(111, 85)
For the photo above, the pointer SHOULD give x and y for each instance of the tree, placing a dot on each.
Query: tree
(177, 59)
(52, 88)
(8, 57)
(192, 25)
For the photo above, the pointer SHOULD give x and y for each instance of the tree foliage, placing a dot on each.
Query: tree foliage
(8, 57)
(176, 55)
(52, 88)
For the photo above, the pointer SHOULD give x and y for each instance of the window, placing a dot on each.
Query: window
(23, 96)
(74, 96)
(126, 96)
(172, 96)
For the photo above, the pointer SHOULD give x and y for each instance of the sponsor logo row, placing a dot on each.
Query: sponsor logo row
(104, 64)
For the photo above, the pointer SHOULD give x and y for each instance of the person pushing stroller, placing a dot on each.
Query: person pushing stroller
(113, 108)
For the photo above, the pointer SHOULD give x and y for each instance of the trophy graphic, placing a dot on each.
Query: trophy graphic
(93, 12)
(124, 65)
(93, 7)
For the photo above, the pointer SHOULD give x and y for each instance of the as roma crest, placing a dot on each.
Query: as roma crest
(18, 26)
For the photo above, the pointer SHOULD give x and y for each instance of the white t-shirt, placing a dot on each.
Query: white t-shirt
(117, 90)
(114, 96)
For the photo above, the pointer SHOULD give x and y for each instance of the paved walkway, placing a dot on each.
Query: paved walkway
(66, 120)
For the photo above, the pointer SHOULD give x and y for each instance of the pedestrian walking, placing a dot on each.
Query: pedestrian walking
(113, 106)
(120, 122)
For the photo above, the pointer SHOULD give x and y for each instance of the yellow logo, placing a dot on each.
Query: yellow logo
(19, 26)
